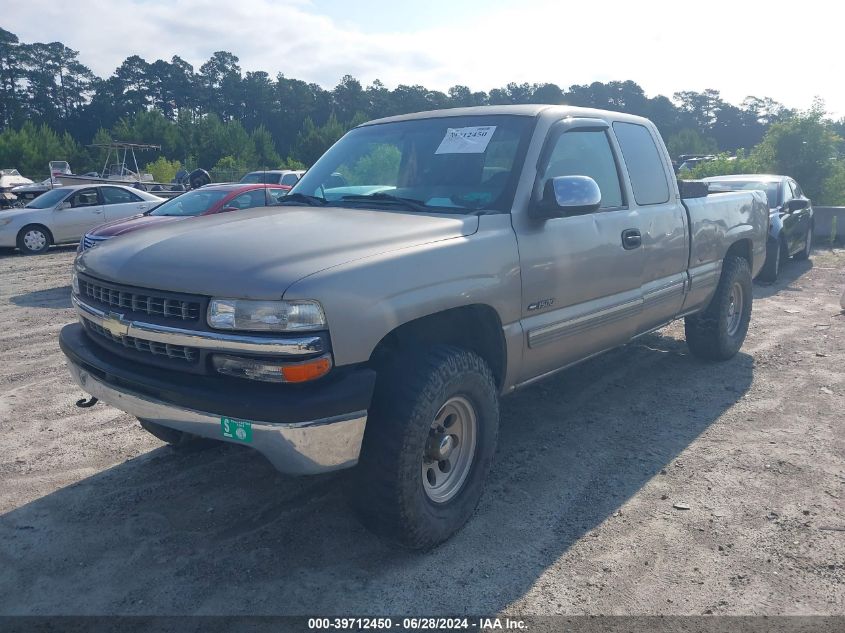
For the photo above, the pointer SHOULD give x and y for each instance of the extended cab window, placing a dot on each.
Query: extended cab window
(586, 153)
(646, 170)
(113, 195)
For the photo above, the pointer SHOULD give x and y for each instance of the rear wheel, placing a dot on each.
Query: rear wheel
(718, 332)
(428, 447)
(34, 239)
(804, 253)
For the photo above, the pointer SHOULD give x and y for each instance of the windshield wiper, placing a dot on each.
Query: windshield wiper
(379, 196)
(301, 198)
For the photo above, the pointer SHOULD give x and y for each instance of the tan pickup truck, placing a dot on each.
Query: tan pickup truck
(425, 266)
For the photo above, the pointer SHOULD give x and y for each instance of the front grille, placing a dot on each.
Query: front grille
(176, 352)
(152, 304)
(89, 241)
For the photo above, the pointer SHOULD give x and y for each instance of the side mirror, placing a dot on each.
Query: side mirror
(567, 195)
(63, 205)
(227, 209)
(797, 204)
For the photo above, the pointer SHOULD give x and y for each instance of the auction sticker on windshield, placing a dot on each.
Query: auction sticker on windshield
(466, 140)
(237, 430)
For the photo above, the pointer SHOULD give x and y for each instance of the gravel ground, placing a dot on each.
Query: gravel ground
(580, 515)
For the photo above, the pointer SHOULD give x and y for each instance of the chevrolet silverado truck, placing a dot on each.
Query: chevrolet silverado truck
(426, 265)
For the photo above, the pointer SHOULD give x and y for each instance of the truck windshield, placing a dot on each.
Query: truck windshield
(447, 164)
(772, 188)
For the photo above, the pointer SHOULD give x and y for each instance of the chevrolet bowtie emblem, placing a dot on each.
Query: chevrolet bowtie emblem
(115, 324)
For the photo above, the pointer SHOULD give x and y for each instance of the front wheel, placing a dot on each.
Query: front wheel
(34, 240)
(718, 332)
(428, 447)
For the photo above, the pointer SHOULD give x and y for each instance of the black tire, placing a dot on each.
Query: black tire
(774, 259)
(387, 488)
(714, 334)
(25, 243)
(177, 439)
(804, 253)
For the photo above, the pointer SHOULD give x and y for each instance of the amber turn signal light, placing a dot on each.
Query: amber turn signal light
(308, 370)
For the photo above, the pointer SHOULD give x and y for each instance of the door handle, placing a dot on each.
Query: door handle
(631, 239)
(98, 212)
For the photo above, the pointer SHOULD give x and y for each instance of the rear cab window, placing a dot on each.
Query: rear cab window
(642, 159)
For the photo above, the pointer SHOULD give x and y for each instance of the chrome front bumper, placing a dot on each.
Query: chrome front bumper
(304, 448)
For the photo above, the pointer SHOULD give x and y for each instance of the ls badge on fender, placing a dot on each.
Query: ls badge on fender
(541, 304)
(116, 325)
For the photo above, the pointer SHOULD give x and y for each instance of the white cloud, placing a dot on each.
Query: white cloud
(665, 47)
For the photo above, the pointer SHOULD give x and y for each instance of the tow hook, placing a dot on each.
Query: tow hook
(85, 404)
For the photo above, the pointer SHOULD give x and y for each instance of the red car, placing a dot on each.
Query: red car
(205, 201)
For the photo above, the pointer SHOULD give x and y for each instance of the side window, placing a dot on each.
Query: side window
(586, 153)
(796, 189)
(289, 179)
(113, 195)
(645, 167)
(84, 198)
(254, 198)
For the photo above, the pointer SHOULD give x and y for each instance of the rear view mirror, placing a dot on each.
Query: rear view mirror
(567, 195)
(797, 204)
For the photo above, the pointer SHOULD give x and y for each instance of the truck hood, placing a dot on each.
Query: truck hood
(258, 253)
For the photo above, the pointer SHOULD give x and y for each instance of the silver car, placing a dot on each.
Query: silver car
(63, 215)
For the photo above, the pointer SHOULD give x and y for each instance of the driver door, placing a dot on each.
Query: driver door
(78, 213)
(581, 282)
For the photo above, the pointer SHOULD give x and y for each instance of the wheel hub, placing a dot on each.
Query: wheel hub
(734, 312)
(34, 240)
(440, 446)
(449, 449)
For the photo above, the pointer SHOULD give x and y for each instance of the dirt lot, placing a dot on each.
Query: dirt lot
(97, 517)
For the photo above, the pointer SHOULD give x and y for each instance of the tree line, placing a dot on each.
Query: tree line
(52, 107)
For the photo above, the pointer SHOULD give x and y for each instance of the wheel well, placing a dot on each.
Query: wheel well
(741, 248)
(475, 327)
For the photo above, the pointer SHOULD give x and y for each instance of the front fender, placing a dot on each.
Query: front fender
(366, 299)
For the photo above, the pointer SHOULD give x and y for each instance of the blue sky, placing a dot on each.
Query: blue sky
(740, 48)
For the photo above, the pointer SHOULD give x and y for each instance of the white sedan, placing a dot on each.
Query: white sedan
(63, 215)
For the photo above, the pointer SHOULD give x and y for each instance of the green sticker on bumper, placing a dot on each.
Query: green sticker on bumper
(237, 430)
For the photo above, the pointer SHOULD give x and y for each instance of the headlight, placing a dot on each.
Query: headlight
(276, 316)
(74, 283)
